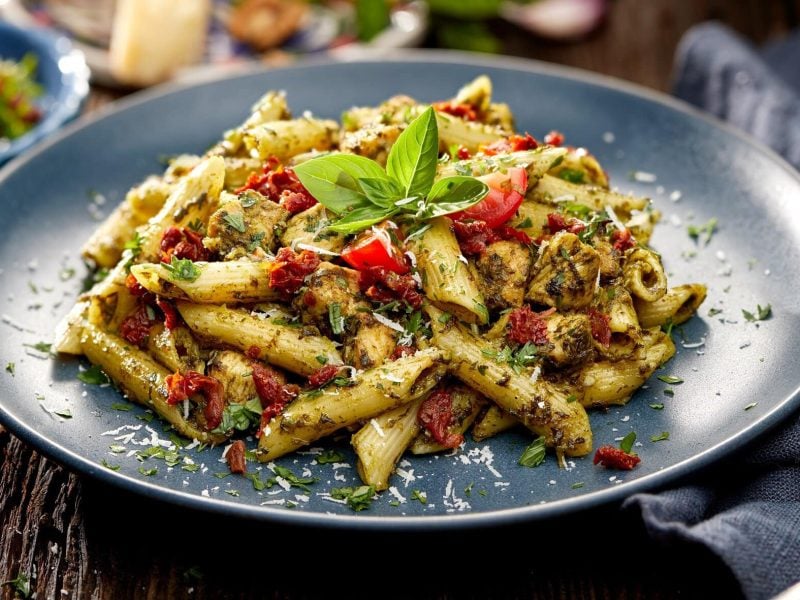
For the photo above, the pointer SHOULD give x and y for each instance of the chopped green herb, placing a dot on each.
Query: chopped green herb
(670, 379)
(322, 359)
(712, 312)
(572, 175)
(704, 231)
(116, 449)
(21, 585)
(762, 313)
(222, 475)
(248, 199)
(190, 467)
(148, 472)
(63, 412)
(534, 454)
(525, 223)
(11, 368)
(657, 406)
(93, 376)
(42, 347)
(66, 274)
(525, 356)
(667, 327)
(196, 225)
(294, 480)
(419, 495)
(572, 398)
(255, 241)
(664, 435)
(626, 445)
(124, 406)
(234, 493)
(668, 392)
(146, 417)
(751, 405)
(239, 417)
(235, 221)
(107, 465)
(577, 485)
(182, 269)
(468, 489)
(444, 318)
(335, 318)
(358, 498)
(330, 456)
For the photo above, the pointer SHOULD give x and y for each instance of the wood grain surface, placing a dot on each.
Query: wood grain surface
(84, 540)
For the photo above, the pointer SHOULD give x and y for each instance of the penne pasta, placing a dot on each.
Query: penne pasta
(676, 306)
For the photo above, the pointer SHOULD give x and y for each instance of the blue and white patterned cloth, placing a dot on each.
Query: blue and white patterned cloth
(747, 511)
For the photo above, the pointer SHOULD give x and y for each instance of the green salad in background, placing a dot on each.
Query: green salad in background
(18, 94)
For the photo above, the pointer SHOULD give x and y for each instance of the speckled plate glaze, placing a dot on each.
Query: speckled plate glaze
(693, 168)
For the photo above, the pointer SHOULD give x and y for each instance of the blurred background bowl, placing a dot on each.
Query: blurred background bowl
(62, 73)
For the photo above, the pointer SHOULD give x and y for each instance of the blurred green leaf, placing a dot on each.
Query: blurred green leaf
(473, 37)
(466, 9)
(372, 17)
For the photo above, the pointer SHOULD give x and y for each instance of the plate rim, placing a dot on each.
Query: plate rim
(460, 521)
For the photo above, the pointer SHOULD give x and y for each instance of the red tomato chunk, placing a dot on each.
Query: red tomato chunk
(614, 458)
(436, 415)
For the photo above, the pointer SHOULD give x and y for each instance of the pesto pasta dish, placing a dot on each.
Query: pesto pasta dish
(413, 274)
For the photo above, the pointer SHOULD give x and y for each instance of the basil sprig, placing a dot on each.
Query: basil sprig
(362, 193)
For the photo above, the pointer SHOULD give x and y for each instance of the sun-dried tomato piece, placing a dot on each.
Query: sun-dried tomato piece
(554, 138)
(614, 458)
(401, 350)
(383, 285)
(172, 318)
(509, 233)
(236, 457)
(280, 184)
(513, 143)
(273, 392)
(622, 240)
(289, 269)
(182, 243)
(322, 376)
(556, 222)
(460, 110)
(526, 326)
(253, 352)
(135, 328)
(436, 415)
(473, 236)
(601, 330)
(181, 386)
(134, 287)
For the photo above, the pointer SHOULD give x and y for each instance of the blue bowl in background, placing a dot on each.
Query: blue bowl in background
(62, 72)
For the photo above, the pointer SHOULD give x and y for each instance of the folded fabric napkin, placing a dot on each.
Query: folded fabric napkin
(747, 511)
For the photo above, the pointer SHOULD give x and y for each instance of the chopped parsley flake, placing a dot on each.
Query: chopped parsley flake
(664, 435)
(123, 406)
(330, 456)
(63, 412)
(108, 465)
(42, 347)
(359, 498)
(335, 318)
(534, 454)
(626, 445)
(762, 313)
(751, 405)
(234, 493)
(670, 379)
(182, 269)
(421, 496)
(93, 376)
(11, 368)
(235, 221)
(712, 312)
(703, 232)
(577, 485)
(523, 357)
(657, 406)
(148, 472)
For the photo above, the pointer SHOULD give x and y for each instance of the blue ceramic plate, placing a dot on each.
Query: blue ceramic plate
(62, 73)
(739, 378)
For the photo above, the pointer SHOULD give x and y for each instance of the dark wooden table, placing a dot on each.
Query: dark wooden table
(85, 540)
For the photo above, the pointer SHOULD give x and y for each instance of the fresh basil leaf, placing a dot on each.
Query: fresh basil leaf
(381, 191)
(453, 194)
(413, 158)
(361, 218)
(372, 17)
(333, 180)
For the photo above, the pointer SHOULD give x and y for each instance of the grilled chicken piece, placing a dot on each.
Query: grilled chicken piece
(245, 224)
(502, 274)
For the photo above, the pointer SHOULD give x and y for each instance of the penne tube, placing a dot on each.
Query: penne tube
(536, 162)
(676, 306)
(554, 190)
(491, 422)
(581, 165)
(612, 382)
(644, 275)
(541, 407)
(284, 139)
(176, 349)
(226, 282)
(308, 230)
(142, 378)
(466, 404)
(315, 415)
(293, 348)
(446, 279)
(477, 93)
(70, 328)
(194, 197)
(380, 443)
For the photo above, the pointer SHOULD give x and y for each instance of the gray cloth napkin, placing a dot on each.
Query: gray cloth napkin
(746, 512)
